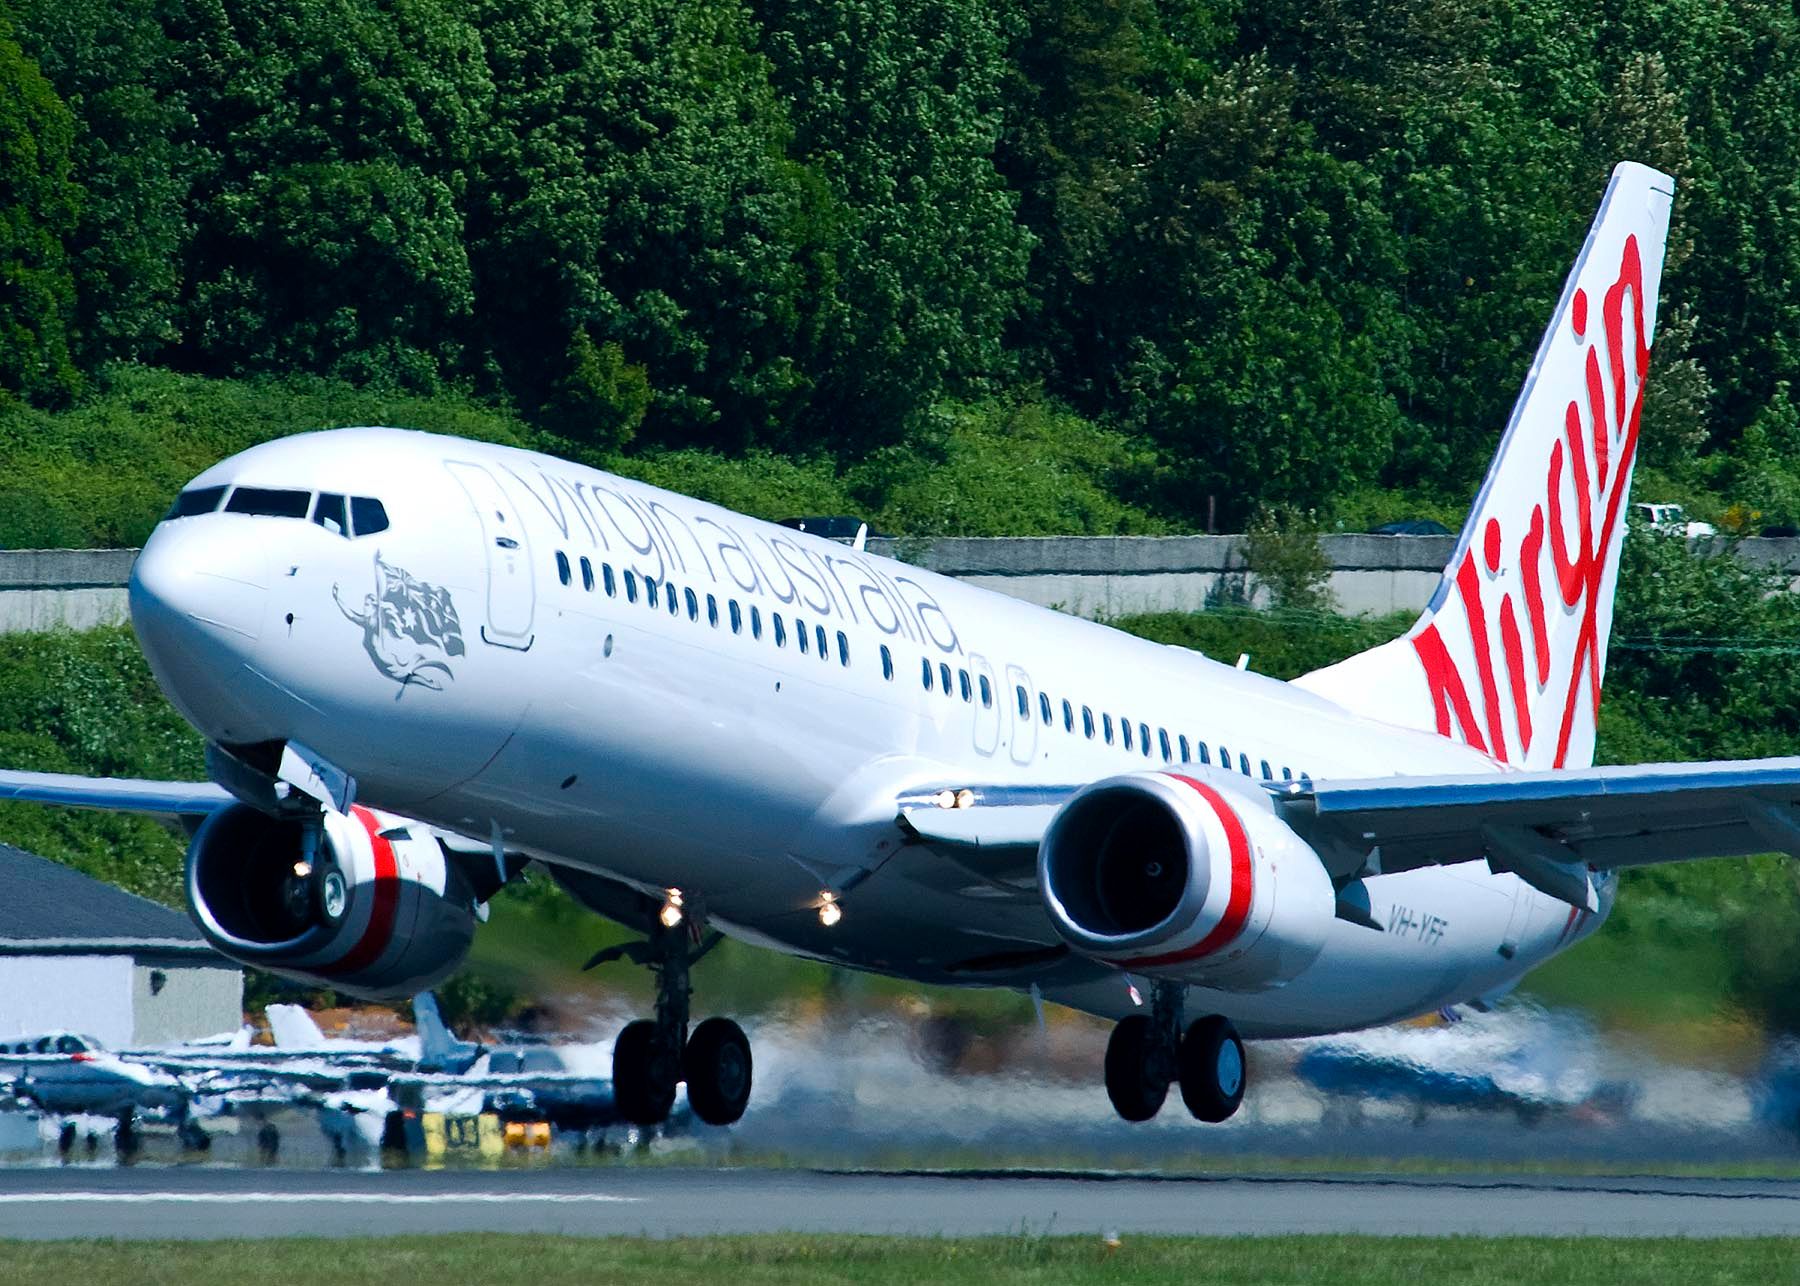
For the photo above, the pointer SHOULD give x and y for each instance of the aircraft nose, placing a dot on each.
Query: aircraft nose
(198, 595)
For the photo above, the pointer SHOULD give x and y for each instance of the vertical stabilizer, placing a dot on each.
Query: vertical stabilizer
(293, 1028)
(439, 1049)
(1510, 653)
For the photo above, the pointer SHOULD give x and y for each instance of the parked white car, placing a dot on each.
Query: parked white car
(1670, 518)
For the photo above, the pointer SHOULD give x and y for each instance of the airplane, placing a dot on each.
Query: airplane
(421, 662)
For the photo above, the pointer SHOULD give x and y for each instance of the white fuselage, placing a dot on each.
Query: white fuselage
(460, 666)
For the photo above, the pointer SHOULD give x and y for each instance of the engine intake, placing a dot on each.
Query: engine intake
(1185, 876)
(378, 910)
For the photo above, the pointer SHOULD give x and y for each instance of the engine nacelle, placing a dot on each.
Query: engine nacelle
(1188, 877)
(380, 911)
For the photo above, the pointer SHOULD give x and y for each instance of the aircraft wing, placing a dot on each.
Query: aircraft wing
(115, 794)
(1554, 828)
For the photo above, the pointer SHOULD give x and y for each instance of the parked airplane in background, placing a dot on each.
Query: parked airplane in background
(420, 662)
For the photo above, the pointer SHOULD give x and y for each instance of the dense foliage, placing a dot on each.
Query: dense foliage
(1289, 253)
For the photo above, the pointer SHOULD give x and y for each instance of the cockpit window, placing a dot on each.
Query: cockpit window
(195, 500)
(368, 515)
(329, 513)
(269, 502)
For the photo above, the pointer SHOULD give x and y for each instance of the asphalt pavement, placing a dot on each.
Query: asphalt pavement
(206, 1202)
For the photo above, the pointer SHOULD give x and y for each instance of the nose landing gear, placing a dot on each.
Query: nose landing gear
(652, 1055)
(1149, 1052)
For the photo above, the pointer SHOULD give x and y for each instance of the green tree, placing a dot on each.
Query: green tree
(118, 67)
(896, 104)
(333, 137)
(643, 247)
(1248, 305)
(38, 203)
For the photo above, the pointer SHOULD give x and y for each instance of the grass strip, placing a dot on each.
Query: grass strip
(989, 1261)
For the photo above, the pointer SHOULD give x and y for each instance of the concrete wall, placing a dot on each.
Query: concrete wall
(1086, 575)
(184, 1001)
(88, 994)
(77, 589)
(115, 999)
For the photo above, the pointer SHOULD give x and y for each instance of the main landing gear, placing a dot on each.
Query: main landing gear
(652, 1055)
(1149, 1052)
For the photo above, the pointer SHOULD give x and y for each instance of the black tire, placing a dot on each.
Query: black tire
(718, 1069)
(1136, 1095)
(643, 1093)
(1212, 1069)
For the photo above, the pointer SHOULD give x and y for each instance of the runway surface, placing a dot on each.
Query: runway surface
(192, 1202)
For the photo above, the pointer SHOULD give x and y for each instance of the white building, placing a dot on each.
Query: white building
(77, 954)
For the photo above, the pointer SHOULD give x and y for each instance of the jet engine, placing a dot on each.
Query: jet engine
(1189, 877)
(376, 908)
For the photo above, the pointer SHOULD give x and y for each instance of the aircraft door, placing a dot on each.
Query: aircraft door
(987, 713)
(1024, 721)
(511, 596)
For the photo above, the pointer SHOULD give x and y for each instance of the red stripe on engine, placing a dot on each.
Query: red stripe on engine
(1237, 904)
(380, 929)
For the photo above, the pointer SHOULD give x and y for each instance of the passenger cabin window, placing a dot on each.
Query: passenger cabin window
(606, 579)
(1106, 727)
(819, 637)
(693, 604)
(712, 611)
(987, 692)
(630, 586)
(780, 629)
(1023, 700)
(1244, 763)
(800, 634)
(1044, 707)
(269, 502)
(925, 671)
(1144, 739)
(887, 663)
(331, 514)
(367, 515)
(1162, 739)
(650, 591)
(587, 574)
(674, 601)
(1125, 732)
(1205, 754)
(1087, 722)
(944, 677)
(843, 649)
(1267, 775)
(968, 691)
(755, 621)
(562, 567)
(1182, 742)
(203, 500)
(737, 616)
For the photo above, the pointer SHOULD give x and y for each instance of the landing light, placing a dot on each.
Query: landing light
(829, 910)
(302, 869)
(671, 912)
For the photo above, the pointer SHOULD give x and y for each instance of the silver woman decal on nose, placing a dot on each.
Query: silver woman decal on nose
(410, 628)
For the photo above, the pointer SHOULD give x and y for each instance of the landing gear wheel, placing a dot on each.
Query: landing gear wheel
(643, 1089)
(717, 1064)
(1132, 1084)
(1212, 1069)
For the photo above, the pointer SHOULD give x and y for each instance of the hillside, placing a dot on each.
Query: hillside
(1139, 262)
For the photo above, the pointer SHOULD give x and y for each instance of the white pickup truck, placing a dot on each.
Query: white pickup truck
(1670, 518)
